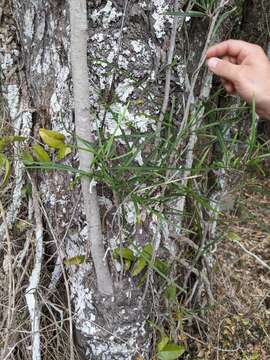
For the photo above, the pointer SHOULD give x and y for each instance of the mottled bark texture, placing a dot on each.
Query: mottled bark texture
(128, 48)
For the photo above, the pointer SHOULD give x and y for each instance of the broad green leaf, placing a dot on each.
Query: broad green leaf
(170, 292)
(163, 342)
(147, 251)
(171, 352)
(52, 138)
(127, 265)
(27, 157)
(233, 236)
(142, 280)
(124, 253)
(5, 167)
(63, 152)
(76, 260)
(162, 266)
(138, 267)
(143, 260)
(40, 153)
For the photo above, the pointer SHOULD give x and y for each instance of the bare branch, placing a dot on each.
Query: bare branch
(79, 27)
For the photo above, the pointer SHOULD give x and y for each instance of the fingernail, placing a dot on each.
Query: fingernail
(212, 63)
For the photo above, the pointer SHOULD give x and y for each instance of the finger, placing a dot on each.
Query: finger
(229, 87)
(233, 60)
(224, 69)
(236, 48)
(230, 59)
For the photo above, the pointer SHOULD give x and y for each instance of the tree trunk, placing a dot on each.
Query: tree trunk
(149, 93)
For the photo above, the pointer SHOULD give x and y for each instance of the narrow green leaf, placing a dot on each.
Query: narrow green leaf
(182, 14)
(7, 140)
(222, 18)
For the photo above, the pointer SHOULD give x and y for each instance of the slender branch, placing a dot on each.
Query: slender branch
(32, 289)
(168, 73)
(197, 118)
(79, 35)
(190, 100)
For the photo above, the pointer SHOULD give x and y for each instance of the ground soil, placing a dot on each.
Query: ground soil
(240, 320)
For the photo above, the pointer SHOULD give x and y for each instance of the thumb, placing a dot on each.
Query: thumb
(223, 68)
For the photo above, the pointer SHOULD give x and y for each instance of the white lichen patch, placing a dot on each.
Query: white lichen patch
(48, 197)
(29, 23)
(12, 97)
(82, 296)
(61, 100)
(40, 29)
(181, 69)
(160, 17)
(130, 210)
(120, 346)
(106, 15)
(7, 61)
(42, 63)
(124, 90)
(22, 123)
(138, 46)
(139, 158)
(126, 120)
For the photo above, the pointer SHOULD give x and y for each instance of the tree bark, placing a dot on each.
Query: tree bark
(134, 50)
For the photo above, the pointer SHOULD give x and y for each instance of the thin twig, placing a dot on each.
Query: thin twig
(10, 309)
(259, 260)
(32, 289)
(168, 74)
(61, 258)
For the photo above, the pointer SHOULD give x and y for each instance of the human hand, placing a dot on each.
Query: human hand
(244, 69)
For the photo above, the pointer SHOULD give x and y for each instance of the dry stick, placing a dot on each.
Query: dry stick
(11, 337)
(61, 258)
(31, 294)
(168, 74)
(190, 100)
(79, 35)
(195, 125)
(58, 269)
(259, 260)
(10, 280)
(115, 61)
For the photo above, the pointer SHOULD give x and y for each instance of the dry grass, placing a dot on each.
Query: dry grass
(240, 321)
